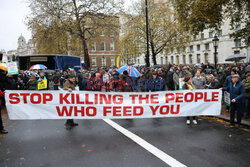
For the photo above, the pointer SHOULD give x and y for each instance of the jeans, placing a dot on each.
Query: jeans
(235, 107)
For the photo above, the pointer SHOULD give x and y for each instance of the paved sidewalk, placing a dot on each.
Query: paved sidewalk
(226, 116)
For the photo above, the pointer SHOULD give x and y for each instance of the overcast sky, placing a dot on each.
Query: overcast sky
(12, 19)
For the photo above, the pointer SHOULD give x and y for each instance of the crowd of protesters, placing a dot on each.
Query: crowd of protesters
(232, 78)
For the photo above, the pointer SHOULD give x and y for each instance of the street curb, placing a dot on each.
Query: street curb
(243, 122)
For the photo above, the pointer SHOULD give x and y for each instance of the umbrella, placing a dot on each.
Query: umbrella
(235, 57)
(38, 67)
(3, 67)
(29, 73)
(133, 72)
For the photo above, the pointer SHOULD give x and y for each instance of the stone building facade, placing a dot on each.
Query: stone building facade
(23, 48)
(201, 49)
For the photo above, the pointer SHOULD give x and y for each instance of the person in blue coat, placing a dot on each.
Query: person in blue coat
(154, 84)
(237, 94)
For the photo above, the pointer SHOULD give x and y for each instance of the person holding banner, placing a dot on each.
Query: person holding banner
(2, 88)
(70, 85)
(237, 94)
(189, 86)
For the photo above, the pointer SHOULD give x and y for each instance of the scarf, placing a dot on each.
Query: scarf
(190, 87)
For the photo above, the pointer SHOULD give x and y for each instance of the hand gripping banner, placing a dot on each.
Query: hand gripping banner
(101, 105)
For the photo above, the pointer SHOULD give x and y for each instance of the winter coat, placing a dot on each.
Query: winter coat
(247, 87)
(11, 83)
(32, 84)
(176, 78)
(170, 81)
(227, 81)
(154, 85)
(142, 84)
(69, 85)
(221, 78)
(199, 82)
(237, 91)
(213, 85)
(129, 84)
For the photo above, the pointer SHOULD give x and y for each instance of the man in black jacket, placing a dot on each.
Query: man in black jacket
(2, 89)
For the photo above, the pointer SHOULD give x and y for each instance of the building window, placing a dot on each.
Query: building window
(112, 61)
(184, 59)
(190, 59)
(210, 34)
(161, 60)
(102, 33)
(194, 37)
(103, 46)
(198, 47)
(112, 33)
(172, 51)
(166, 60)
(206, 58)
(112, 46)
(177, 60)
(202, 35)
(191, 48)
(238, 43)
(207, 46)
(93, 46)
(236, 52)
(138, 61)
(103, 61)
(220, 33)
(93, 61)
(198, 58)
(172, 59)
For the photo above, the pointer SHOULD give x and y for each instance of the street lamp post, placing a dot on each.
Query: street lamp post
(215, 43)
(85, 49)
(147, 54)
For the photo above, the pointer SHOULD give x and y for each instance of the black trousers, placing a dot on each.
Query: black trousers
(1, 121)
(236, 107)
(194, 117)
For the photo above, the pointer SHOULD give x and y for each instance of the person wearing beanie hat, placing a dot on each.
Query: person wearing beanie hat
(237, 93)
(189, 86)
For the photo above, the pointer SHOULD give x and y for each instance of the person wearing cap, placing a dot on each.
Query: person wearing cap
(70, 85)
(177, 75)
(246, 83)
(237, 93)
(189, 86)
(186, 72)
